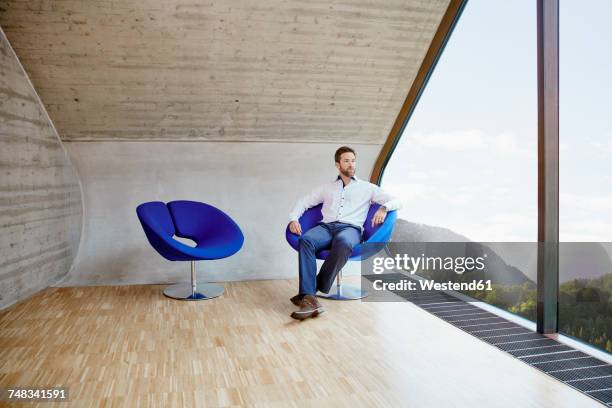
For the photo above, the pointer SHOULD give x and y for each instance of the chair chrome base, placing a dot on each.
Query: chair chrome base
(345, 292)
(203, 291)
(194, 290)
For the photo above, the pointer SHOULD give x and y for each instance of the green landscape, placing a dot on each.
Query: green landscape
(585, 306)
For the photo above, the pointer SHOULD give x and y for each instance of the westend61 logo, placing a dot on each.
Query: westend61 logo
(459, 264)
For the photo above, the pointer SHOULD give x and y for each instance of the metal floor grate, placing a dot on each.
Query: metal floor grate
(585, 373)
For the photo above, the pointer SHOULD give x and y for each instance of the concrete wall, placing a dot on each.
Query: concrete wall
(40, 199)
(237, 103)
(257, 184)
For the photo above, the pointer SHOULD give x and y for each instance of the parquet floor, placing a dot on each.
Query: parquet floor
(131, 346)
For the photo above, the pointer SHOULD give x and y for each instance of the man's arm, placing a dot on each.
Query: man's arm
(387, 202)
(310, 200)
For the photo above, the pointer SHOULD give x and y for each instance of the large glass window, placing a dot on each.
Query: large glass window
(466, 164)
(585, 167)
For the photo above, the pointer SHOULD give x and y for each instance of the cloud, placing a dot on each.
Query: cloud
(475, 141)
(584, 230)
(458, 140)
(602, 146)
(585, 202)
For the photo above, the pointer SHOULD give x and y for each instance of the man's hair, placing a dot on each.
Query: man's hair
(343, 149)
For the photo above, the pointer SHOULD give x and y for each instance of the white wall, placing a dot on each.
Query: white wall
(255, 183)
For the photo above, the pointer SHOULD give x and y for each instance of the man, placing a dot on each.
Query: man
(346, 202)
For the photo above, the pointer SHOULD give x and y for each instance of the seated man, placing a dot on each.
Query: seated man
(346, 202)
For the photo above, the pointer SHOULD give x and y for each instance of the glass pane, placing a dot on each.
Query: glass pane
(585, 202)
(466, 164)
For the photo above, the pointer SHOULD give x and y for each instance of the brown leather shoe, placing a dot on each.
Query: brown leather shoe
(297, 299)
(309, 307)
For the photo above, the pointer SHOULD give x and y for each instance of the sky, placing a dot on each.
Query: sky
(467, 159)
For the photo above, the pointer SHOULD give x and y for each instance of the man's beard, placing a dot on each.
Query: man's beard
(348, 172)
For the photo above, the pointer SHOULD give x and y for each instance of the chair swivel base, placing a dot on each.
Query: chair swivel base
(346, 292)
(183, 291)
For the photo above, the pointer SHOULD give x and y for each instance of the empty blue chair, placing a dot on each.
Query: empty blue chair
(373, 240)
(216, 236)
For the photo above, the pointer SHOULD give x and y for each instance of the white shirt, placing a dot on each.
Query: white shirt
(348, 204)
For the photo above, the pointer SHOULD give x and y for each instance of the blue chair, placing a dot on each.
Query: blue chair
(373, 240)
(216, 236)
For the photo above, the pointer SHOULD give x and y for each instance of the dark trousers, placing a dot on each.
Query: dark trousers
(339, 238)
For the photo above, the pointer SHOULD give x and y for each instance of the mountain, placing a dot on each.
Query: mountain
(443, 242)
(406, 231)
(583, 260)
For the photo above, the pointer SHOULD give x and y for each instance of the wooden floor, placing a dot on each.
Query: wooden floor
(131, 346)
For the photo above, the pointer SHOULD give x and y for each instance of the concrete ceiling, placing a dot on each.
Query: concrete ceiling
(279, 70)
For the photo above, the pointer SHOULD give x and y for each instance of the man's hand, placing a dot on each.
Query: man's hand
(379, 216)
(295, 227)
